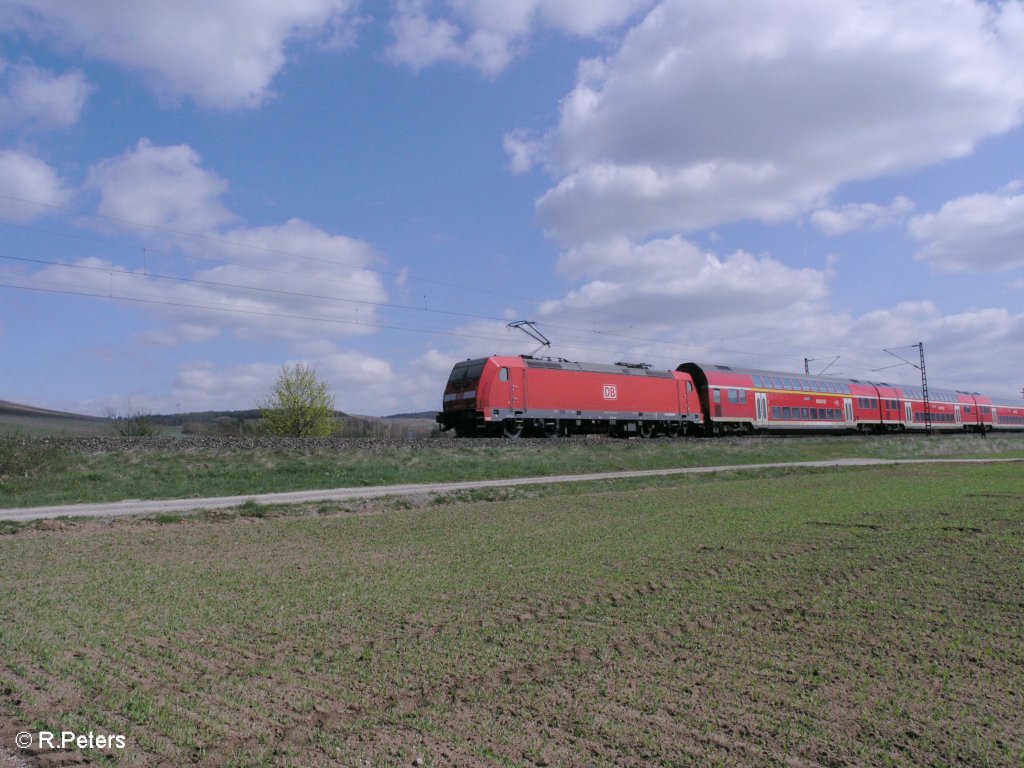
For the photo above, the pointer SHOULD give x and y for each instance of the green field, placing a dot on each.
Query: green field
(38, 472)
(852, 617)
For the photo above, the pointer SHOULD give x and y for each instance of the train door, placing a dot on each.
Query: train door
(762, 408)
(517, 388)
(848, 410)
(959, 418)
(909, 412)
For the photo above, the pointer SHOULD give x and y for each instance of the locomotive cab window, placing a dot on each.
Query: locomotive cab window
(503, 374)
(468, 372)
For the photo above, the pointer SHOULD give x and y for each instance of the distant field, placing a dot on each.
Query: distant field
(17, 419)
(69, 471)
(802, 618)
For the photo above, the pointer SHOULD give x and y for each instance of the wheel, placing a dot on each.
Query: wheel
(512, 429)
(550, 429)
(646, 429)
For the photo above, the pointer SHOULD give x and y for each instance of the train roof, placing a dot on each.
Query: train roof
(626, 369)
(938, 394)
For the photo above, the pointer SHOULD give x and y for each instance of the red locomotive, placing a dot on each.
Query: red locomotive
(510, 396)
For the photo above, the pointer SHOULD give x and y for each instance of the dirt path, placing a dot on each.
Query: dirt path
(136, 507)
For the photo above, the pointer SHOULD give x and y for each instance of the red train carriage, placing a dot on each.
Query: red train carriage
(1006, 413)
(944, 411)
(749, 400)
(510, 395)
(977, 411)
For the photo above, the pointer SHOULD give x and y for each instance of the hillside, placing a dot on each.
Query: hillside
(17, 419)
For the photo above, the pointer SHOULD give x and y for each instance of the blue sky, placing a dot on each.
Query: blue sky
(194, 194)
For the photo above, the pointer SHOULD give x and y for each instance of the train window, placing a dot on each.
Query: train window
(776, 412)
(503, 374)
(804, 414)
(734, 396)
(786, 414)
(718, 395)
(814, 413)
(757, 381)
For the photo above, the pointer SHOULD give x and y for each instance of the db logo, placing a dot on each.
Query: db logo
(611, 392)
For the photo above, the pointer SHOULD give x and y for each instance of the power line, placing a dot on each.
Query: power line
(317, 318)
(366, 302)
(241, 244)
(463, 289)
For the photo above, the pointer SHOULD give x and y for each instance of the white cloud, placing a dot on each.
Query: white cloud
(290, 281)
(672, 280)
(159, 187)
(963, 350)
(201, 385)
(24, 177)
(489, 34)
(39, 97)
(221, 53)
(522, 150)
(359, 383)
(857, 216)
(671, 289)
(976, 233)
(705, 115)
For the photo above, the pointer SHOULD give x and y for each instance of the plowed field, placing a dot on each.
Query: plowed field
(858, 616)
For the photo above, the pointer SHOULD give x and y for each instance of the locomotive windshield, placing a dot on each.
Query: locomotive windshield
(466, 372)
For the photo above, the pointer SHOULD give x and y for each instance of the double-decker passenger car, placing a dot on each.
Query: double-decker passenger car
(509, 395)
(749, 400)
(1006, 413)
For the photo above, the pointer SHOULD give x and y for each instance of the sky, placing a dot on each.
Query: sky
(196, 194)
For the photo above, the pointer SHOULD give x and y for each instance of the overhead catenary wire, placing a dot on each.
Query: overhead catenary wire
(401, 275)
(366, 302)
(263, 249)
